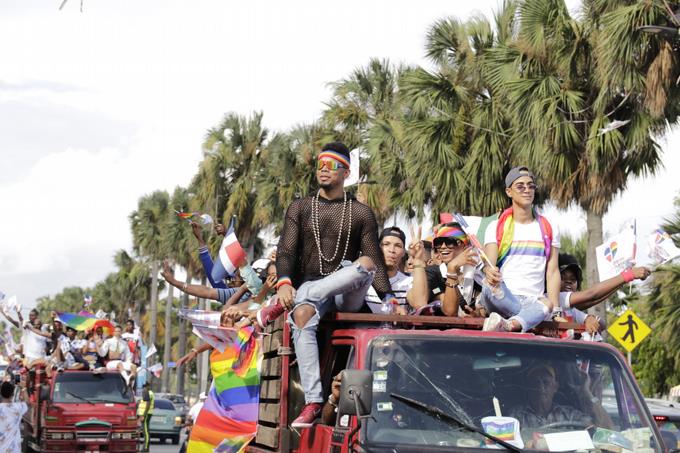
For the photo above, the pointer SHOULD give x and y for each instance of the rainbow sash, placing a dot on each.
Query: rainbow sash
(505, 232)
(228, 419)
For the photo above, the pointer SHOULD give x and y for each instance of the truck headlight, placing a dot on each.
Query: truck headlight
(115, 436)
(67, 436)
(178, 420)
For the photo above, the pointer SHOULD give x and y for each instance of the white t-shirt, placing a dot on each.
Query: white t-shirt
(195, 409)
(401, 284)
(568, 311)
(34, 345)
(524, 268)
(118, 346)
(10, 425)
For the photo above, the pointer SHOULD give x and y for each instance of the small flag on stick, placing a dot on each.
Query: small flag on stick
(230, 257)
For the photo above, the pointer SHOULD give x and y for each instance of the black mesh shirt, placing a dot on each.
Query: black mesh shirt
(297, 255)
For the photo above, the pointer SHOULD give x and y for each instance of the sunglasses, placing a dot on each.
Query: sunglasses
(330, 164)
(521, 187)
(450, 243)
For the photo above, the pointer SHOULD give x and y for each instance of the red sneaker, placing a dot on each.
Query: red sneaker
(268, 314)
(308, 415)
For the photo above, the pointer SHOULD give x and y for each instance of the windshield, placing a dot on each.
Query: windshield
(83, 387)
(544, 396)
(163, 404)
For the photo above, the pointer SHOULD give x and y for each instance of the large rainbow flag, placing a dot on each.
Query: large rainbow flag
(228, 420)
(85, 321)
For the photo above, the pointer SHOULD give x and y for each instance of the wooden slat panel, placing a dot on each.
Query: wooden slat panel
(273, 341)
(269, 412)
(270, 389)
(267, 436)
(271, 366)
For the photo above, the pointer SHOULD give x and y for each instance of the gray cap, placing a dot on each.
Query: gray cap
(516, 173)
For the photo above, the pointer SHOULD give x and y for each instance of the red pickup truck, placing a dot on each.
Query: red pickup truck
(79, 411)
(437, 384)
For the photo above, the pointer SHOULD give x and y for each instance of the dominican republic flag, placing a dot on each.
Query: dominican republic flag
(87, 300)
(230, 257)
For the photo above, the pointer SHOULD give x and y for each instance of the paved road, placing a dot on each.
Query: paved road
(167, 447)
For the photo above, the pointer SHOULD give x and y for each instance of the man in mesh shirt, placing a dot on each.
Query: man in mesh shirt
(327, 258)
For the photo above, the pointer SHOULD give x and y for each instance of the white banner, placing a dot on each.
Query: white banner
(617, 254)
(661, 247)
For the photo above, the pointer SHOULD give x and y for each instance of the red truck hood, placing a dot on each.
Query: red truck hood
(69, 414)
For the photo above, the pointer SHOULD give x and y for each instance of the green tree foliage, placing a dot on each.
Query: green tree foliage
(575, 246)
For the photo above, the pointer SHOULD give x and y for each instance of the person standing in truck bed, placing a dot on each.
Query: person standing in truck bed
(327, 258)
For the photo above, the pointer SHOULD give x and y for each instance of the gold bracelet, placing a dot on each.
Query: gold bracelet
(418, 266)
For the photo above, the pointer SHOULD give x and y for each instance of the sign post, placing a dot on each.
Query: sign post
(629, 331)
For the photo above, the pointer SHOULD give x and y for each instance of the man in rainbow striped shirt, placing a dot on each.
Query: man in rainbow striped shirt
(525, 247)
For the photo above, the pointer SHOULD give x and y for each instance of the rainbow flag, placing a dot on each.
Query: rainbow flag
(85, 321)
(228, 420)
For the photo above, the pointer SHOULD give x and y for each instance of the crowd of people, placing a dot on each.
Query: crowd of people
(332, 257)
(59, 347)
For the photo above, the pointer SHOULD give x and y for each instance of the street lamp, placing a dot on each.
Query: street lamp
(669, 33)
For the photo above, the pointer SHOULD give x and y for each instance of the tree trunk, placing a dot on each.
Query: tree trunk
(594, 225)
(153, 315)
(182, 341)
(168, 340)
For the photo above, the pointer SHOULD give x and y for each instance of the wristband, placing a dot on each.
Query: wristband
(418, 266)
(627, 276)
(283, 281)
(332, 401)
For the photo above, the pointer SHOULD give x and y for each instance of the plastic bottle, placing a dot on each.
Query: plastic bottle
(468, 282)
(387, 308)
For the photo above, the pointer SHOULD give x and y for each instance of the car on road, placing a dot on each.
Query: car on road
(667, 417)
(166, 421)
(178, 401)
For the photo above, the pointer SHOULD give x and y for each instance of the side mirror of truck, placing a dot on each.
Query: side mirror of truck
(44, 392)
(356, 393)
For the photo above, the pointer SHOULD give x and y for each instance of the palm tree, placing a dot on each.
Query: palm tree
(458, 125)
(147, 223)
(234, 152)
(634, 62)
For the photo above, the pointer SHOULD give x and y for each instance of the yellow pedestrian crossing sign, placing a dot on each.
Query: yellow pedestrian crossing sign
(629, 330)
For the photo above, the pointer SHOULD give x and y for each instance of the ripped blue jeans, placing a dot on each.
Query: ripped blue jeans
(343, 290)
(529, 311)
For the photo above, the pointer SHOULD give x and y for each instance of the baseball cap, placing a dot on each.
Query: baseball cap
(567, 261)
(517, 172)
(393, 231)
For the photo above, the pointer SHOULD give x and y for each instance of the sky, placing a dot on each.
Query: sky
(102, 107)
